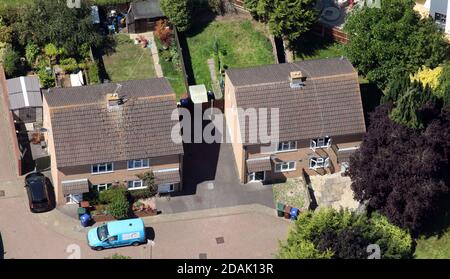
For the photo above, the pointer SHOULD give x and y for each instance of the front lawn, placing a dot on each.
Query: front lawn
(241, 43)
(293, 192)
(128, 61)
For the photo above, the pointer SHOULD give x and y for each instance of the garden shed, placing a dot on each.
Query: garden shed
(142, 16)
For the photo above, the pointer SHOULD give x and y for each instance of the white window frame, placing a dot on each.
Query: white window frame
(98, 168)
(286, 166)
(133, 163)
(320, 162)
(252, 176)
(134, 187)
(320, 143)
(287, 146)
(106, 186)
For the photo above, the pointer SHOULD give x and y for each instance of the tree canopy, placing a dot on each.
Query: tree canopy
(403, 172)
(52, 21)
(328, 233)
(288, 19)
(179, 12)
(392, 40)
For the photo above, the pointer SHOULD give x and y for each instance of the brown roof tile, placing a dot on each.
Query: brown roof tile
(86, 132)
(162, 177)
(328, 105)
(259, 164)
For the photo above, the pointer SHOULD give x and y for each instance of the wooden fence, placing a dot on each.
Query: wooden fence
(330, 32)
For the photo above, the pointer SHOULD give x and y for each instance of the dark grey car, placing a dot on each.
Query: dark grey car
(38, 197)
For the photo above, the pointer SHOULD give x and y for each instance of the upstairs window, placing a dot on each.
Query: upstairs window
(287, 146)
(138, 164)
(102, 168)
(322, 142)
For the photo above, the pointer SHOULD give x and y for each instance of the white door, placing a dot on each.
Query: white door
(257, 176)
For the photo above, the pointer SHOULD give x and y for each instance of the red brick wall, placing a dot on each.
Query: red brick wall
(10, 120)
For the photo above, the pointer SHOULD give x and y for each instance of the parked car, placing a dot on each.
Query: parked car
(38, 197)
(117, 234)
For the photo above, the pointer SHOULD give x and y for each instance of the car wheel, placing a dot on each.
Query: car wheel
(135, 244)
(98, 248)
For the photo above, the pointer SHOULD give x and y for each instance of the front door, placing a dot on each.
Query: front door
(257, 176)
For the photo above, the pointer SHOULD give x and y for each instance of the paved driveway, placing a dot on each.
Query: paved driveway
(211, 181)
(54, 235)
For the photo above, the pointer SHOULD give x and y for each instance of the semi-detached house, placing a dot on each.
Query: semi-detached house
(321, 121)
(106, 134)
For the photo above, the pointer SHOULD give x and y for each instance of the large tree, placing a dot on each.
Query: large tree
(391, 40)
(52, 21)
(403, 172)
(179, 12)
(288, 19)
(328, 233)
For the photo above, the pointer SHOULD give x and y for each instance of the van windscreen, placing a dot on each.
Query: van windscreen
(102, 232)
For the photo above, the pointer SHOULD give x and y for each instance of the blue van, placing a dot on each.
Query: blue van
(117, 233)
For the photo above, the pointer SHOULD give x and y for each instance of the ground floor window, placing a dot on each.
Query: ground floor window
(285, 166)
(135, 184)
(101, 187)
(167, 187)
(257, 176)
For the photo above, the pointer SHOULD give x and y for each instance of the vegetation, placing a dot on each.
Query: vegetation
(311, 46)
(148, 179)
(344, 235)
(117, 201)
(178, 12)
(128, 61)
(392, 40)
(288, 19)
(402, 172)
(11, 62)
(51, 21)
(242, 43)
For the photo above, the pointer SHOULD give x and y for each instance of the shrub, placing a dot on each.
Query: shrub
(166, 55)
(31, 53)
(178, 12)
(119, 207)
(69, 65)
(148, 180)
(92, 196)
(163, 32)
(111, 194)
(141, 194)
(46, 78)
(216, 6)
(11, 62)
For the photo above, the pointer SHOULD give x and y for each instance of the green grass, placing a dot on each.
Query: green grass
(434, 247)
(12, 3)
(291, 193)
(128, 61)
(242, 44)
(315, 47)
(174, 75)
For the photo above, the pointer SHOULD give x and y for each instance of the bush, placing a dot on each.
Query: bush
(141, 194)
(69, 65)
(166, 55)
(111, 194)
(31, 53)
(46, 78)
(119, 207)
(178, 12)
(163, 32)
(92, 196)
(11, 63)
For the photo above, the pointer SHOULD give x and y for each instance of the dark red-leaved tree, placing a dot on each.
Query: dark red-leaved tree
(401, 172)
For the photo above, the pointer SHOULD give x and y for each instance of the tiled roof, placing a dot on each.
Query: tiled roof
(172, 176)
(75, 187)
(259, 164)
(86, 132)
(329, 103)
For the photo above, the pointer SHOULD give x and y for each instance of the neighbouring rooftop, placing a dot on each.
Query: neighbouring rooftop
(89, 128)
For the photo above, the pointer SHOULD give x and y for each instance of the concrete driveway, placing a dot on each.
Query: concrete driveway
(211, 181)
(225, 233)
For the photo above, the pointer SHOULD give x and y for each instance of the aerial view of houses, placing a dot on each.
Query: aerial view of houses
(200, 129)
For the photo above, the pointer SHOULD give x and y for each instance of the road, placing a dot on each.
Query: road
(245, 235)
